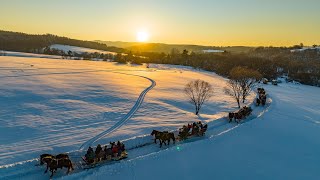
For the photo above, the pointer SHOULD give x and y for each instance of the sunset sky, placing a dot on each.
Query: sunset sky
(205, 22)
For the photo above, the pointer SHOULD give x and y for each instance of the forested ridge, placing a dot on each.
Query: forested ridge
(15, 41)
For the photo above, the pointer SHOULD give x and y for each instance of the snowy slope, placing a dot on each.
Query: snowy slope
(67, 48)
(305, 48)
(22, 54)
(281, 144)
(212, 51)
(56, 106)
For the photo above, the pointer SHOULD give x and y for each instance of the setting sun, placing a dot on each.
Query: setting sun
(142, 36)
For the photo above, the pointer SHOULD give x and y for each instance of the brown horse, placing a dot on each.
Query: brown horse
(238, 117)
(44, 158)
(54, 164)
(166, 136)
(203, 130)
(47, 158)
(157, 135)
(62, 156)
(258, 101)
(231, 116)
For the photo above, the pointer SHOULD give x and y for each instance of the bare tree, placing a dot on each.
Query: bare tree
(247, 78)
(234, 90)
(198, 92)
(242, 82)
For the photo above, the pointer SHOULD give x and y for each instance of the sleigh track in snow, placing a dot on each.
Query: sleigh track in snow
(126, 117)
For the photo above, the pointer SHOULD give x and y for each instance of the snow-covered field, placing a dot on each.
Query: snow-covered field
(282, 143)
(76, 49)
(22, 54)
(54, 106)
(305, 48)
(57, 105)
(213, 51)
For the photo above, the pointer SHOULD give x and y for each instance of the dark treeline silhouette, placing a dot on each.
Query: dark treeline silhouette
(14, 41)
(303, 67)
(166, 48)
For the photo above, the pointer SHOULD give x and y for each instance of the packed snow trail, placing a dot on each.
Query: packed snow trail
(126, 117)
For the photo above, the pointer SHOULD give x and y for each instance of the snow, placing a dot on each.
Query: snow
(79, 50)
(21, 54)
(56, 106)
(305, 48)
(281, 143)
(213, 51)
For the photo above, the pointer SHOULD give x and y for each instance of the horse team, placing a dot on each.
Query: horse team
(164, 137)
(240, 115)
(262, 97)
(55, 162)
(246, 111)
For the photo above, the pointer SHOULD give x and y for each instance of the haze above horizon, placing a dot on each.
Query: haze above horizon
(204, 22)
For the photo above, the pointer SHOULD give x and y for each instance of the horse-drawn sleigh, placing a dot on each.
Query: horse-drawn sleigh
(114, 152)
(262, 97)
(187, 131)
(238, 116)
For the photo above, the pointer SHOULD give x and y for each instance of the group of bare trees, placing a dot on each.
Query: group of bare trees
(242, 81)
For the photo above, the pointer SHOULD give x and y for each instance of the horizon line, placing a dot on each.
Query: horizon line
(154, 42)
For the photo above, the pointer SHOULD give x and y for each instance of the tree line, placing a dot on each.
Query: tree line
(303, 67)
(14, 41)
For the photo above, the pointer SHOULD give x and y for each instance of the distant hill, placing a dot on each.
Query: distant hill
(15, 41)
(167, 48)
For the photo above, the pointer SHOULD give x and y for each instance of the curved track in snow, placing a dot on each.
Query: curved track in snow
(126, 117)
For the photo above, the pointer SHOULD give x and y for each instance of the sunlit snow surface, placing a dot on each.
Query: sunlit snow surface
(76, 49)
(53, 106)
(56, 105)
(279, 141)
